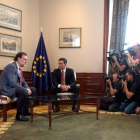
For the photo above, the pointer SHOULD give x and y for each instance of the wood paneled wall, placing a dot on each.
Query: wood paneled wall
(91, 83)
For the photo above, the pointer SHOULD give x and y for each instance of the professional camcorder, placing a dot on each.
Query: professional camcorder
(122, 77)
(112, 53)
(130, 50)
(121, 54)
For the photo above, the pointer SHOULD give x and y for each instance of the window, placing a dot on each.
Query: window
(133, 24)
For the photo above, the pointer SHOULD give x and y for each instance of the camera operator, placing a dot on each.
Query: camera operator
(132, 91)
(122, 66)
(113, 101)
(136, 58)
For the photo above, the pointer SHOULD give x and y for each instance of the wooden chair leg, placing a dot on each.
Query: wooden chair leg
(52, 106)
(5, 113)
(9, 106)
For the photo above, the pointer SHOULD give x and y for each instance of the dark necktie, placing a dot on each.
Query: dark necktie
(20, 76)
(62, 78)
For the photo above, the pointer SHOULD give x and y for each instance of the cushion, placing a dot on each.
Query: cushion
(8, 100)
(65, 93)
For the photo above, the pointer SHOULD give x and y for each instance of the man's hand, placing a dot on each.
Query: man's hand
(124, 83)
(128, 54)
(29, 91)
(64, 87)
(108, 81)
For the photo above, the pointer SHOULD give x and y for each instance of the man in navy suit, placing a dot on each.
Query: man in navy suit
(64, 84)
(12, 84)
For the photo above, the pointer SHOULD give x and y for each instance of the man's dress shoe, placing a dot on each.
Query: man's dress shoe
(27, 113)
(57, 109)
(21, 118)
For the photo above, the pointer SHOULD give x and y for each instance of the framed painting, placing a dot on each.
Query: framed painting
(10, 17)
(69, 37)
(9, 45)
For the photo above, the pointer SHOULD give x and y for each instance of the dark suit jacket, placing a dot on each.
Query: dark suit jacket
(69, 77)
(10, 80)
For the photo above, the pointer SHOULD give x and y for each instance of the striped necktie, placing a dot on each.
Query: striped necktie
(20, 76)
(62, 78)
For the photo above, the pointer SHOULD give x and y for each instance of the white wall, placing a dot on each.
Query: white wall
(30, 29)
(88, 14)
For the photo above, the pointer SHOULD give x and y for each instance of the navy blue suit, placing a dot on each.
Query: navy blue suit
(69, 80)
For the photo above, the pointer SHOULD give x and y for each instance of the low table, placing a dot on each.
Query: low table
(63, 98)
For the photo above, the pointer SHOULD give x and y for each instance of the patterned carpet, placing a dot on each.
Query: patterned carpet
(43, 109)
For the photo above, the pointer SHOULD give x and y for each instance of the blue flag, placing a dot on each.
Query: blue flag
(41, 74)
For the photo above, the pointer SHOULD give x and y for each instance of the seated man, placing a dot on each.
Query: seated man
(12, 84)
(64, 81)
(113, 99)
(132, 92)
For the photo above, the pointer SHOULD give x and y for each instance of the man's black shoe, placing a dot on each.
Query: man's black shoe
(74, 109)
(21, 118)
(27, 113)
(57, 109)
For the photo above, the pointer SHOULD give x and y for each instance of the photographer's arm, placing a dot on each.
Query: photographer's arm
(128, 94)
(128, 61)
(131, 59)
(112, 91)
(113, 67)
(121, 68)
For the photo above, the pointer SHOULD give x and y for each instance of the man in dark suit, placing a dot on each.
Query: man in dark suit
(64, 81)
(12, 84)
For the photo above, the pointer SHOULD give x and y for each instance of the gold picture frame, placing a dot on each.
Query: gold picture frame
(10, 18)
(70, 37)
(9, 45)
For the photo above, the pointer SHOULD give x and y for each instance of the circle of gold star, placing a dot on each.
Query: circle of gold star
(35, 65)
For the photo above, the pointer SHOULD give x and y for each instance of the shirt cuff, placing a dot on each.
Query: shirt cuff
(68, 86)
(59, 86)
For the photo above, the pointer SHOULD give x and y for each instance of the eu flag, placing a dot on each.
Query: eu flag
(41, 74)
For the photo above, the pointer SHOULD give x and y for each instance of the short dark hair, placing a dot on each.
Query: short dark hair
(130, 72)
(20, 54)
(63, 59)
(115, 72)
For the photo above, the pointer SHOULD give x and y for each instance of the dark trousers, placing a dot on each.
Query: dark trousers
(109, 103)
(74, 90)
(114, 107)
(22, 101)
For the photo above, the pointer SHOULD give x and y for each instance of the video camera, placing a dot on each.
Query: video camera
(122, 77)
(113, 53)
(130, 50)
